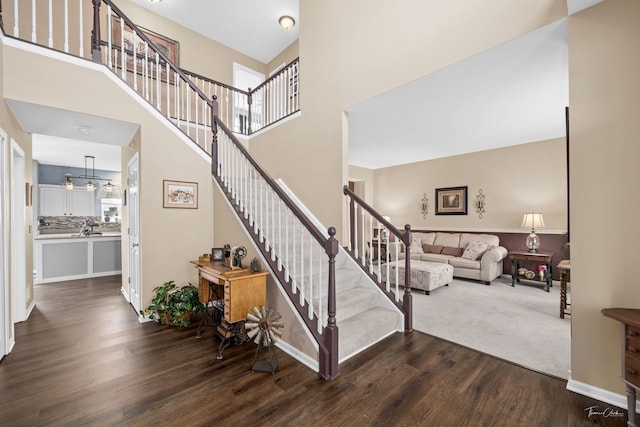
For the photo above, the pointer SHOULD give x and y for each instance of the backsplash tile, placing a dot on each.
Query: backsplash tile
(73, 224)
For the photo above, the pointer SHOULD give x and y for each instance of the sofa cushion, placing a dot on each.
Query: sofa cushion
(435, 258)
(464, 263)
(467, 238)
(416, 245)
(474, 250)
(448, 239)
(453, 251)
(427, 238)
(431, 249)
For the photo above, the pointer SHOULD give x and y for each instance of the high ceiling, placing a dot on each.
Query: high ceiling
(248, 26)
(513, 94)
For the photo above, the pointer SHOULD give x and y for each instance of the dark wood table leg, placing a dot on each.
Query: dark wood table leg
(513, 273)
(563, 293)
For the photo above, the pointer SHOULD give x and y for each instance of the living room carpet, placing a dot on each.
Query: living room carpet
(520, 324)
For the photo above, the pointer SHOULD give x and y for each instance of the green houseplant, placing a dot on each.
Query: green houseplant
(172, 305)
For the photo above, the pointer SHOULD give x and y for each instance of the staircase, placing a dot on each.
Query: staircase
(333, 289)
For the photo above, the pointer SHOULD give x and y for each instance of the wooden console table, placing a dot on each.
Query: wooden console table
(241, 291)
(630, 319)
(531, 257)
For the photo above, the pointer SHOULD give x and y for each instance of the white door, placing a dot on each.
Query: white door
(18, 235)
(133, 214)
(5, 323)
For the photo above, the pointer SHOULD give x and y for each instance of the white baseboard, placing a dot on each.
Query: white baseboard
(298, 355)
(598, 393)
(30, 309)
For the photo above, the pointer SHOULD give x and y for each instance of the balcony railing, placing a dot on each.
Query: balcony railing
(71, 26)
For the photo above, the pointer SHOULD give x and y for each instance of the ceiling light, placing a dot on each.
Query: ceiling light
(287, 22)
(89, 164)
(68, 181)
(90, 186)
(155, 1)
(108, 187)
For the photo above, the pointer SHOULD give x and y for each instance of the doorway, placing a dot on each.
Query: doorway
(18, 235)
(245, 78)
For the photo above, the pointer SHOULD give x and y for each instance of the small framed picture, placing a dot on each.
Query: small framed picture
(180, 194)
(217, 254)
(451, 201)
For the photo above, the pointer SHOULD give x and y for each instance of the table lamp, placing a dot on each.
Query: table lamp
(533, 221)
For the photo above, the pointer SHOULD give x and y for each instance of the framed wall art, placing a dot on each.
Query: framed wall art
(180, 194)
(170, 48)
(451, 201)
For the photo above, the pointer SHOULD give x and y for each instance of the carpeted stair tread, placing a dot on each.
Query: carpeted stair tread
(352, 301)
(365, 329)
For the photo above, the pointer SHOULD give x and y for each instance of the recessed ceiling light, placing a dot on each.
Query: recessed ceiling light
(287, 22)
(155, 1)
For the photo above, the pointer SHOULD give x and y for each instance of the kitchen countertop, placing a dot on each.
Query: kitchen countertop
(75, 236)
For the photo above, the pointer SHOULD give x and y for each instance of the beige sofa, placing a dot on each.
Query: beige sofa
(473, 256)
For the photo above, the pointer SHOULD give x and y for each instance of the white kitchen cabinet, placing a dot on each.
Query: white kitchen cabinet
(56, 200)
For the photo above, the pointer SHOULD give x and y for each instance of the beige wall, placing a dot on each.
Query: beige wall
(604, 66)
(286, 56)
(504, 176)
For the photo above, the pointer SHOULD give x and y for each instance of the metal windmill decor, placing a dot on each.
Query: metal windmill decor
(263, 326)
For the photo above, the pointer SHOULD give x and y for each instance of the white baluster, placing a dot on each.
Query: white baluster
(135, 59)
(50, 37)
(81, 31)
(311, 293)
(293, 251)
(123, 54)
(33, 20)
(16, 28)
(302, 283)
(363, 237)
(66, 26)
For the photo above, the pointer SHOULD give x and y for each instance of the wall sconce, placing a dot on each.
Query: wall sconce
(424, 206)
(480, 203)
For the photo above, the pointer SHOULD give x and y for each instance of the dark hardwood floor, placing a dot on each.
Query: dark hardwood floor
(82, 359)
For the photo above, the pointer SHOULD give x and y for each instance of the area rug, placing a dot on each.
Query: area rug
(520, 324)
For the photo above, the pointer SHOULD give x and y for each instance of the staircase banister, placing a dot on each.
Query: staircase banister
(320, 238)
(405, 237)
(264, 83)
(215, 82)
(141, 35)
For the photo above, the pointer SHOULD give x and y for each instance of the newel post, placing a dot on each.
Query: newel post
(214, 136)
(329, 362)
(407, 298)
(249, 102)
(95, 33)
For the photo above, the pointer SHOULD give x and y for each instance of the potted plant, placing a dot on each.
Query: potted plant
(171, 305)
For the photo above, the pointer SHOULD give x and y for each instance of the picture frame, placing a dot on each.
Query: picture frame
(217, 254)
(171, 48)
(451, 201)
(179, 194)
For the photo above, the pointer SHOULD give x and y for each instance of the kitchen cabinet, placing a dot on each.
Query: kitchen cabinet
(56, 200)
(64, 257)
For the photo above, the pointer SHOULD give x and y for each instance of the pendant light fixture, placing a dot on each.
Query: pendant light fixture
(89, 163)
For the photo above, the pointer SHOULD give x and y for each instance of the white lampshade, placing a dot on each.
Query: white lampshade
(532, 221)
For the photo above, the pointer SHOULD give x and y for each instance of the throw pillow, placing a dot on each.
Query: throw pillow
(449, 250)
(416, 246)
(432, 249)
(474, 250)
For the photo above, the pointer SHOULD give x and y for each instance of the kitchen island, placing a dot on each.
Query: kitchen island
(61, 257)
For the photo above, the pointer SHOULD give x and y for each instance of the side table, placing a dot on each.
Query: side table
(630, 319)
(531, 257)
